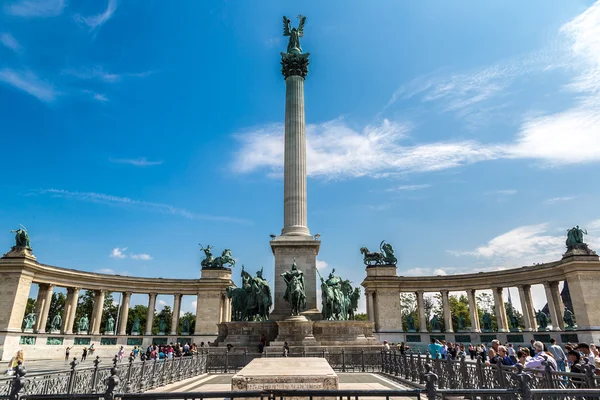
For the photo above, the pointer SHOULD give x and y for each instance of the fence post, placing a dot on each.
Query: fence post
(343, 361)
(362, 360)
(480, 374)
(303, 352)
(95, 374)
(245, 357)
(523, 380)
(179, 373)
(548, 372)
(430, 380)
(115, 361)
(140, 386)
(464, 373)
(72, 375)
(128, 383)
(112, 382)
(226, 360)
(153, 379)
(589, 371)
(324, 354)
(18, 382)
(501, 377)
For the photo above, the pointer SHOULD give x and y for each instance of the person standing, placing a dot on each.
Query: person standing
(559, 355)
(84, 354)
(67, 351)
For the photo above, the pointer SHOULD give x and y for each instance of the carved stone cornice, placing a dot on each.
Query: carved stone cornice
(294, 64)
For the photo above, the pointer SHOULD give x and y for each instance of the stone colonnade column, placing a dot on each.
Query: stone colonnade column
(150, 315)
(70, 310)
(43, 302)
(421, 307)
(555, 316)
(501, 317)
(558, 304)
(97, 313)
(370, 308)
(223, 306)
(473, 310)
(176, 311)
(124, 314)
(527, 308)
(447, 312)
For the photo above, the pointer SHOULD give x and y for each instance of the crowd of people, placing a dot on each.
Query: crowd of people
(571, 358)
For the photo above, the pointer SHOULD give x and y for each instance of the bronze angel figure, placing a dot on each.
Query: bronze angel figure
(294, 33)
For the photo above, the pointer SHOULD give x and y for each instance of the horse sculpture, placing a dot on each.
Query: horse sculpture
(238, 302)
(224, 258)
(386, 256)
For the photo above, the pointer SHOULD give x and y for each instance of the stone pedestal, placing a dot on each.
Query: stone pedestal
(161, 333)
(246, 334)
(110, 333)
(304, 250)
(297, 373)
(344, 333)
(212, 300)
(296, 331)
(82, 332)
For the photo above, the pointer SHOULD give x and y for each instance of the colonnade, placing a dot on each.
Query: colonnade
(42, 307)
(553, 296)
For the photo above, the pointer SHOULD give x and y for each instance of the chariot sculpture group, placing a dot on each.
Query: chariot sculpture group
(384, 257)
(216, 262)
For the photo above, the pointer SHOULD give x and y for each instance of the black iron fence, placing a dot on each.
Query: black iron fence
(443, 378)
(460, 374)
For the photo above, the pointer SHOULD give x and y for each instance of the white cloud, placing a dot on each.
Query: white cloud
(521, 246)
(138, 162)
(162, 302)
(96, 21)
(100, 97)
(440, 271)
(35, 8)
(145, 205)
(10, 42)
(409, 188)
(118, 252)
(335, 150)
(28, 82)
(143, 256)
(321, 264)
(560, 199)
(98, 73)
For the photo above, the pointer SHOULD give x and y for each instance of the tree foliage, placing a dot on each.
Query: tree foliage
(140, 311)
(166, 314)
(192, 319)
(30, 307)
(85, 306)
(361, 317)
(459, 306)
(57, 306)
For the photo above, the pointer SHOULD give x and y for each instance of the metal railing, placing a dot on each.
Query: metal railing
(133, 377)
(460, 374)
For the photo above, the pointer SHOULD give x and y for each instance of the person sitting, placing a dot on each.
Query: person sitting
(503, 355)
(537, 362)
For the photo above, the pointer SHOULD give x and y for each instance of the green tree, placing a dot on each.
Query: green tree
(166, 314)
(361, 317)
(408, 303)
(485, 303)
(57, 306)
(459, 306)
(109, 309)
(139, 311)
(85, 306)
(511, 308)
(192, 319)
(30, 307)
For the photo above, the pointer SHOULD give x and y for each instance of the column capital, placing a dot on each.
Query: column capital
(73, 289)
(128, 294)
(153, 294)
(294, 65)
(419, 292)
(445, 292)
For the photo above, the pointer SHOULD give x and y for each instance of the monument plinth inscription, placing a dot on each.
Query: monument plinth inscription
(296, 373)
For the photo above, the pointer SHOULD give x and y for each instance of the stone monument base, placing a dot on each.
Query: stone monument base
(342, 333)
(297, 373)
(161, 333)
(135, 334)
(246, 333)
(82, 332)
(109, 333)
(54, 331)
(296, 330)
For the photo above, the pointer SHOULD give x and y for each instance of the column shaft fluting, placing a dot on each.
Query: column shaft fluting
(150, 314)
(175, 317)
(555, 317)
(501, 317)
(447, 311)
(370, 307)
(70, 309)
(526, 306)
(421, 307)
(473, 309)
(98, 309)
(294, 171)
(40, 305)
(124, 314)
(558, 304)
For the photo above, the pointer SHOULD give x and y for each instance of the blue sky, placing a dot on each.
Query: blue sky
(465, 133)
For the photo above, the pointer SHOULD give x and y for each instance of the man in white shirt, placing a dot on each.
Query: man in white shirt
(559, 355)
(386, 345)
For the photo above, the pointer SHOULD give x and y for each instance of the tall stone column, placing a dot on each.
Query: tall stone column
(388, 317)
(370, 308)
(176, 311)
(97, 313)
(558, 303)
(223, 311)
(501, 317)
(150, 315)
(555, 317)
(527, 307)
(447, 311)
(124, 314)
(473, 310)
(15, 286)
(70, 310)
(421, 308)
(43, 319)
(295, 244)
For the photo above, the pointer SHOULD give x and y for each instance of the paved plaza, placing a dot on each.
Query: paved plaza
(222, 383)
